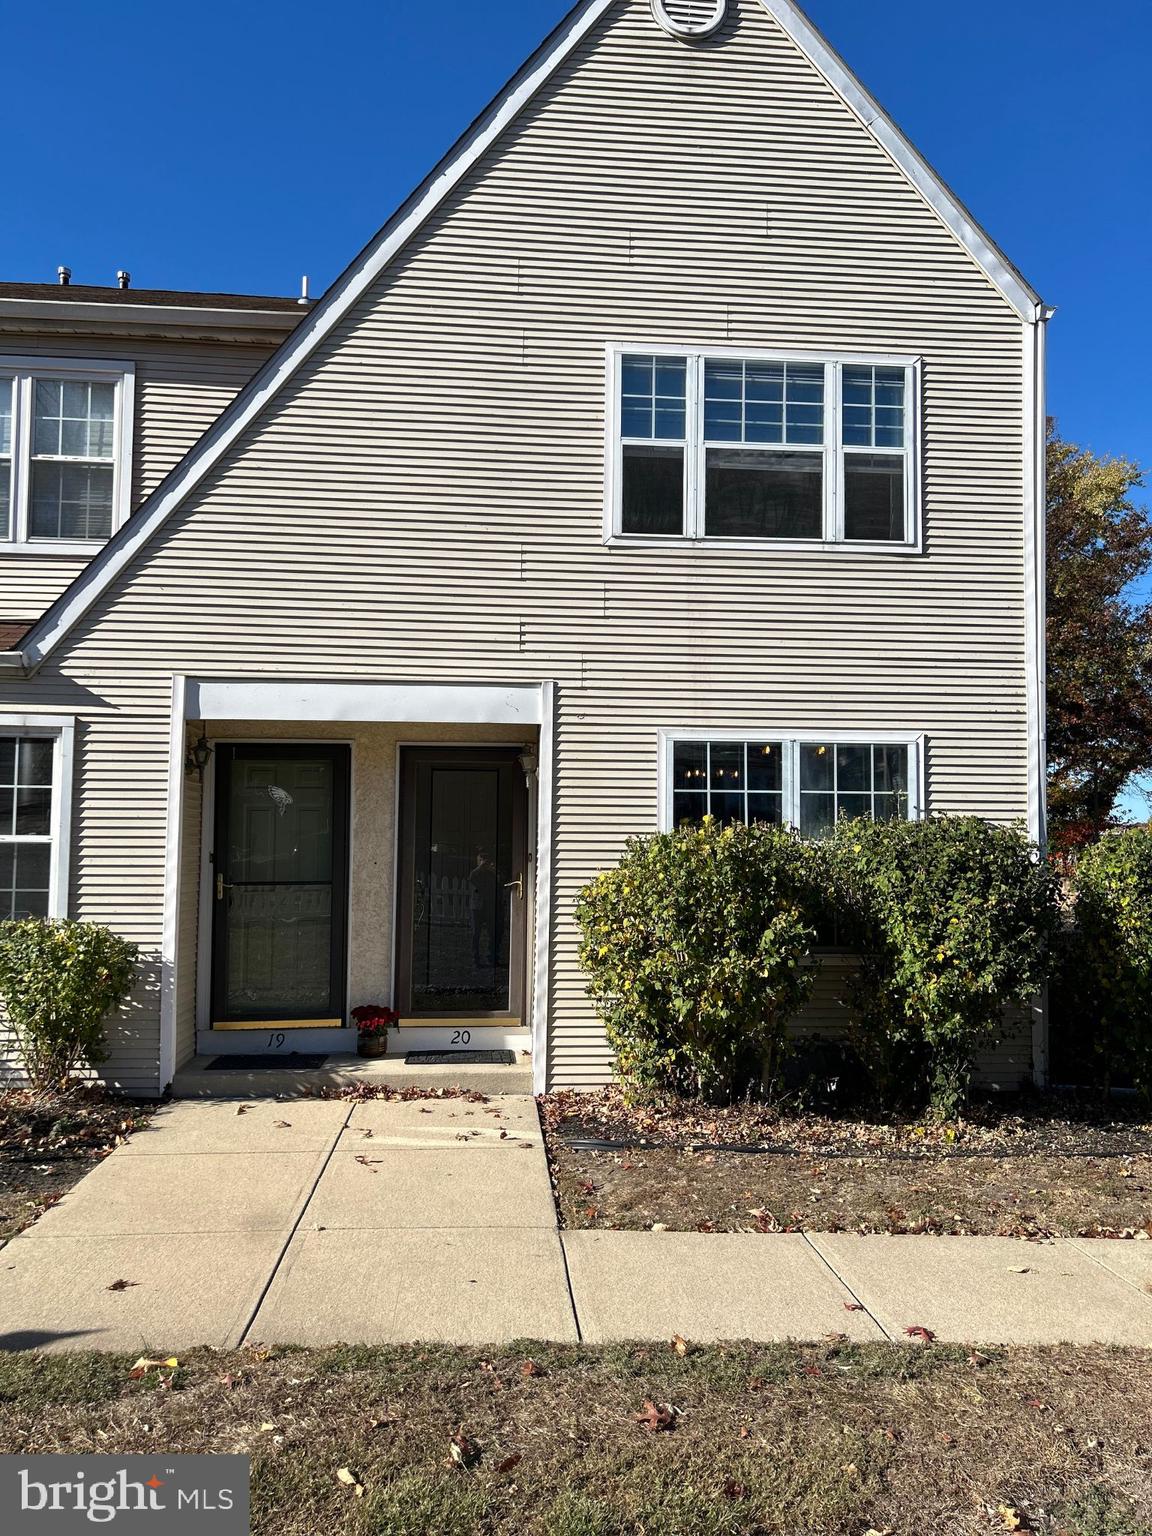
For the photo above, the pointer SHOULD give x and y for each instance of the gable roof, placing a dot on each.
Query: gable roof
(366, 268)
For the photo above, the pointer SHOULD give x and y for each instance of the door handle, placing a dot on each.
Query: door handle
(516, 885)
(222, 885)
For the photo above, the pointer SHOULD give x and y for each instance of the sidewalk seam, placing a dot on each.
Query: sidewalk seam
(1080, 1246)
(840, 1280)
(292, 1230)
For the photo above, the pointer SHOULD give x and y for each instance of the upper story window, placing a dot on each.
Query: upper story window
(711, 446)
(65, 453)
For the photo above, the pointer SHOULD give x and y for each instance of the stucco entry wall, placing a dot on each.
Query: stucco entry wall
(373, 837)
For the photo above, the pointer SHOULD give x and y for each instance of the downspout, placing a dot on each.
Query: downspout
(1035, 585)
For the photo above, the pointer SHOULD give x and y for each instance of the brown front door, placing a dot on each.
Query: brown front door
(463, 892)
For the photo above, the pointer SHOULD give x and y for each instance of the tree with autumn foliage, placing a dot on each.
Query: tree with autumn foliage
(1099, 637)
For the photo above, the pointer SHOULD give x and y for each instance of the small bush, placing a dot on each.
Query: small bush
(1108, 962)
(954, 919)
(694, 947)
(58, 982)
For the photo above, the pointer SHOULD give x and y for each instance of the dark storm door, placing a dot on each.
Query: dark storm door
(280, 886)
(463, 885)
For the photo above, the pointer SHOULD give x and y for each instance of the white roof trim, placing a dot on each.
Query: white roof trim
(90, 585)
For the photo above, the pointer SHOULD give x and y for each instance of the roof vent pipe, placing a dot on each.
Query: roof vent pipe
(123, 279)
(303, 299)
(63, 276)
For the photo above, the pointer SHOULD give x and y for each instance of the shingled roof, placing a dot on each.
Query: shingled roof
(176, 298)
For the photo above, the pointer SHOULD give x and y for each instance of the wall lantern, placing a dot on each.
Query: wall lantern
(197, 757)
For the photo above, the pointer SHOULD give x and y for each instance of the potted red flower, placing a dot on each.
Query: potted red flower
(373, 1024)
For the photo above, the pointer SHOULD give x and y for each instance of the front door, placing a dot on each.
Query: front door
(463, 895)
(280, 887)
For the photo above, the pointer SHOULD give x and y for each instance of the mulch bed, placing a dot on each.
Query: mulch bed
(49, 1141)
(1020, 1172)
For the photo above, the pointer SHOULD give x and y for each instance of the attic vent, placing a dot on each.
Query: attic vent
(689, 18)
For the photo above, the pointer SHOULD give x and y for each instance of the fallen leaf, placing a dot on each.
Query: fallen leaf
(267, 1425)
(836, 1338)
(679, 1344)
(1019, 1269)
(487, 1366)
(509, 1463)
(530, 1368)
(143, 1366)
(916, 1332)
(464, 1452)
(121, 1285)
(853, 1306)
(1011, 1516)
(731, 1489)
(242, 1109)
(282, 1125)
(744, 1432)
(350, 1480)
(657, 1417)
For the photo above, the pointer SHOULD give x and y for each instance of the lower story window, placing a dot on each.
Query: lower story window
(33, 832)
(25, 826)
(806, 783)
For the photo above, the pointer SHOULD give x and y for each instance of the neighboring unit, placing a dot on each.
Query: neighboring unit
(677, 448)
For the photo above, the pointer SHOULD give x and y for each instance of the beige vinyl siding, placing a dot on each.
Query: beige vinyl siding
(181, 388)
(425, 499)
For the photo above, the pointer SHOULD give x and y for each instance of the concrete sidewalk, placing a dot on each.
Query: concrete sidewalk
(318, 1222)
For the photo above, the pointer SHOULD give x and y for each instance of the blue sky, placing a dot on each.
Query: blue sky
(237, 146)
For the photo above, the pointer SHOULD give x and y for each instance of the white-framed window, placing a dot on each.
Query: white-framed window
(35, 815)
(65, 453)
(756, 448)
(807, 780)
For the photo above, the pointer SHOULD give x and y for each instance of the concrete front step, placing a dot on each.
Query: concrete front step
(195, 1081)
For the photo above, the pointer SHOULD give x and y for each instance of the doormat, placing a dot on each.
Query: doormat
(263, 1063)
(460, 1059)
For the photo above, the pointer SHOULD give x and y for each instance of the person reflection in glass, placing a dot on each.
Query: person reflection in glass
(485, 910)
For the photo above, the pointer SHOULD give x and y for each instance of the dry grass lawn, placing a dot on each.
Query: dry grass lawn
(836, 1439)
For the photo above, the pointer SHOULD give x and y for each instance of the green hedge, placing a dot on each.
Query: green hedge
(1107, 969)
(954, 919)
(58, 983)
(694, 948)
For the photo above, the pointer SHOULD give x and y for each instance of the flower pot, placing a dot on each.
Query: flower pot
(373, 1045)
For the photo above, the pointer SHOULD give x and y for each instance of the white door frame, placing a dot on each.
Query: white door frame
(297, 704)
